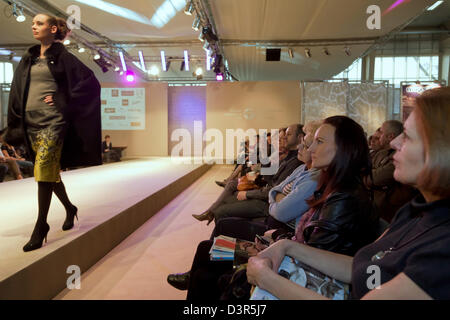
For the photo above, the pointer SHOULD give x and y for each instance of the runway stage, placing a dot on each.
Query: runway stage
(113, 200)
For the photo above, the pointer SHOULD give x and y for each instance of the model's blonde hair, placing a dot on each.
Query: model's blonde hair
(433, 121)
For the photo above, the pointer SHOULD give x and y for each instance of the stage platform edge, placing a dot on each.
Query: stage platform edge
(47, 277)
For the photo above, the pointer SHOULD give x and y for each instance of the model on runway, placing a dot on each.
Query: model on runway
(54, 109)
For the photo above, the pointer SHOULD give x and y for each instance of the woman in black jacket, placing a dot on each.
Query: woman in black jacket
(54, 108)
(340, 219)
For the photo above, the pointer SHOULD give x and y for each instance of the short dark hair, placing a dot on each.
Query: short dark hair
(395, 127)
(107, 136)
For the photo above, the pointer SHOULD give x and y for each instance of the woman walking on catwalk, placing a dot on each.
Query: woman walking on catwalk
(54, 108)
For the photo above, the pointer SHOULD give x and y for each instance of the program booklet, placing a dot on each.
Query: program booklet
(232, 249)
(309, 278)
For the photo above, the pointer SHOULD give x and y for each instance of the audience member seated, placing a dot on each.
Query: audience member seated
(109, 155)
(12, 165)
(374, 141)
(389, 195)
(254, 203)
(412, 255)
(339, 218)
(287, 201)
(10, 154)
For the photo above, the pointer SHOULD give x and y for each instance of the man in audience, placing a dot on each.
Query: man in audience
(389, 195)
(109, 154)
(254, 203)
(374, 141)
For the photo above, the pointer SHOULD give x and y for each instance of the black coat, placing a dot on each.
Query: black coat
(77, 97)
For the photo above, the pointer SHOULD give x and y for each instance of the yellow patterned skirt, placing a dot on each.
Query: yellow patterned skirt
(46, 129)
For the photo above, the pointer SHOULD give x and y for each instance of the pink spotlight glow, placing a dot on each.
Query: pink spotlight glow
(130, 77)
(219, 77)
(394, 5)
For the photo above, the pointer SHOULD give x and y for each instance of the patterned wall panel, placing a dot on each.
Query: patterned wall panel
(366, 103)
(324, 99)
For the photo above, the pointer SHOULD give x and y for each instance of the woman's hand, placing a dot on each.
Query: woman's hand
(257, 270)
(49, 100)
(275, 253)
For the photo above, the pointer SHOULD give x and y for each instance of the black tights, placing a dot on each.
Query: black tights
(45, 190)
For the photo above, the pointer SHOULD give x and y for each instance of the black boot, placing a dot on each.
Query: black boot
(37, 237)
(70, 217)
(179, 280)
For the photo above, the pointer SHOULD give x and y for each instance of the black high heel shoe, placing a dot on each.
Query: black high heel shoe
(37, 237)
(207, 215)
(68, 223)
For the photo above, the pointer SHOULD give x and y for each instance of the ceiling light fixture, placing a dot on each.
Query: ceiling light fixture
(18, 13)
(347, 51)
(186, 60)
(196, 23)
(189, 8)
(154, 70)
(291, 53)
(141, 59)
(122, 60)
(435, 5)
(308, 53)
(163, 60)
(81, 49)
(66, 42)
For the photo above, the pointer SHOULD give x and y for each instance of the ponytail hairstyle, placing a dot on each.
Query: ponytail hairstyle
(63, 29)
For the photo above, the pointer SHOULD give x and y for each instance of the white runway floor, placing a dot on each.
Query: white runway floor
(99, 193)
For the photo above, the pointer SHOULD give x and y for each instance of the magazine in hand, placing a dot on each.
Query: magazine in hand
(232, 249)
(309, 278)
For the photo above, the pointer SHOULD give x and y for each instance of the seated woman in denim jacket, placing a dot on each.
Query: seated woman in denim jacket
(411, 260)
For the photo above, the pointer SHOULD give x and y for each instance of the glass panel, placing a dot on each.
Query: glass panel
(412, 71)
(9, 72)
(388, 67)
(400, 68)
(2, 72)
(378, 62)
(424, 68)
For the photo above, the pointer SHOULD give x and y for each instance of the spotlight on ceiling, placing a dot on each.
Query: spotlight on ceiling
(219, 76)
(186, 60)
(163, 60)
(435, 5)
(141, 59)
(154, 70)
(326, 52)
(103, 64)
(189, 8)
(291, 53)
(66, 42)
(130, 77)
(308, 53)
(96, 56)
(116, 69)
(18, 13)
(196, 23)
(347, 51)
(81, 49)
(198, 73)
(209, 35)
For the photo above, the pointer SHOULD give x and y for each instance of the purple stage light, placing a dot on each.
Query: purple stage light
(394, 5)
(219, 77)
(130, 77)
